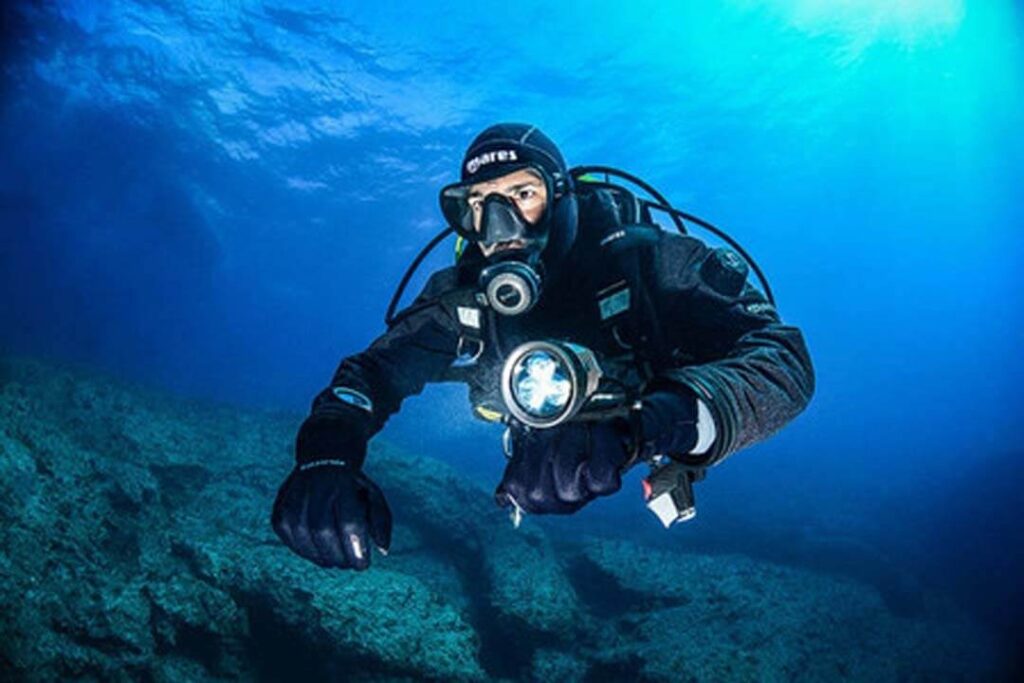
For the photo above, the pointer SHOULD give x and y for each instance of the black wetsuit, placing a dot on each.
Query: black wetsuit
(675, 309)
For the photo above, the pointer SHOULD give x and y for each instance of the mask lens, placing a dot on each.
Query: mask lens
(457, 211)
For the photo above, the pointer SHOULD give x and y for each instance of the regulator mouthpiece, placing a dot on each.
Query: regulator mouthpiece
(546, 383)
(511, 287)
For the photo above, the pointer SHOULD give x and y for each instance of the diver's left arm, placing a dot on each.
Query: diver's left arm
(750, 372)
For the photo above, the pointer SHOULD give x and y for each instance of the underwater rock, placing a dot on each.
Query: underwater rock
(709, 618)
(135, 545)
(115, 495)
(526, 585)
(553, 665)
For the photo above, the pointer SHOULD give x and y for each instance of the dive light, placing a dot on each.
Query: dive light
(545, 383)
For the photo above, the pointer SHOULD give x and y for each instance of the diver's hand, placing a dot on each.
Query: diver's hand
(561, 469)
(328, 512)
(668, 422)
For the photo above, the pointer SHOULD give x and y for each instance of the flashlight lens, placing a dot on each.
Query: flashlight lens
(541, 384)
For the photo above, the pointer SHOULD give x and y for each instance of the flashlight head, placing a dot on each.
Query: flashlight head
(541, 385)
(546, 383)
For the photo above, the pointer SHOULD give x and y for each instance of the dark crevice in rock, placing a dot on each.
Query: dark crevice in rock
(42, 468)
(123, 503)
(605, 597)
(121, 543)
(599, 591)
(188, 642)
(277, 651)
(188, 555)
(110, 645)
(506, 648)
(180, 483)
(627, 670)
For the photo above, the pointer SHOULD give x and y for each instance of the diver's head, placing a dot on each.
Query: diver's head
(507, 210)
(515, 195)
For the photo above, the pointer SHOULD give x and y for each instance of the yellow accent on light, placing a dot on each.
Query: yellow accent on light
(488, 414)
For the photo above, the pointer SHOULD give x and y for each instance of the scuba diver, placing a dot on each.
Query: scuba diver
(600, 339)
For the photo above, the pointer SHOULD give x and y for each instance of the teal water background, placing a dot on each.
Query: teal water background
(218, 199)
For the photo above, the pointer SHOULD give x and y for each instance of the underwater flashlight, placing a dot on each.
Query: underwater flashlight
(545, 383)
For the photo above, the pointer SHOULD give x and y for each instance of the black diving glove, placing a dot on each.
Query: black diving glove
(668, 423)
(327, 510)
(561, 469)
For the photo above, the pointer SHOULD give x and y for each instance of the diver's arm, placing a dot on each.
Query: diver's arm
(752, 372)
(414, 351)
(398, 364)
(327, 510)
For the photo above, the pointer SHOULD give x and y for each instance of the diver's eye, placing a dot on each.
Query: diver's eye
(526, 193)
(476, 204)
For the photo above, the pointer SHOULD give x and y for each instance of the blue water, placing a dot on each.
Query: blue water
(218, 199)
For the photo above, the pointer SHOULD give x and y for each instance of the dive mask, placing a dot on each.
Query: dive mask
(500, 218)
(511, 281)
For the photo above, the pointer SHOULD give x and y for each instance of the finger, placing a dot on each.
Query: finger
(379, 517)
(567, 477)
(603, 470)
(278, 518)
(515, 489)
(354, 542)
(517, 512)
(542, 494)
(325, 535)
(290, 511)
(601, 479)
(303, 540)
(511, 484)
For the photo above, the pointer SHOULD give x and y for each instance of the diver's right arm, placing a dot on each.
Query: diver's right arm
(328, 510)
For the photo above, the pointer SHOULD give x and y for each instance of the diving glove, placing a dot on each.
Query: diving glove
(668, 423)
(327, 510)
(561, 469)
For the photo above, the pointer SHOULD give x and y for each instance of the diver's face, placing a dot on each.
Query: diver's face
(527, 191)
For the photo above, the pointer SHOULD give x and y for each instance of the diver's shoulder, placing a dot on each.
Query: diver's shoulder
(441, 282)
(688, 261)
(680, 243)
(674, 252)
